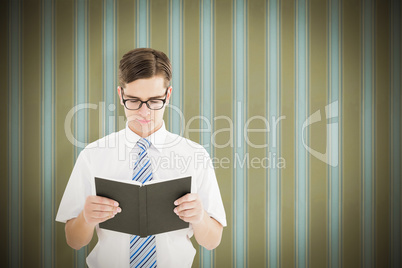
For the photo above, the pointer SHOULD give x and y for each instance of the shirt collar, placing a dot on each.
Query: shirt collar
(157, 138)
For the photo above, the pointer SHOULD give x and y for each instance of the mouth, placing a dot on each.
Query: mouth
(144, 121)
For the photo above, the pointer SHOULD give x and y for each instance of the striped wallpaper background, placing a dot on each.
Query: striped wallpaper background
(320, 187)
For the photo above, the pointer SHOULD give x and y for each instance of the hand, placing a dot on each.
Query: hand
(189, 208)
(98, 209)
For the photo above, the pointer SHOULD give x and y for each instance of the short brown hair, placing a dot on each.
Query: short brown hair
(142, 63)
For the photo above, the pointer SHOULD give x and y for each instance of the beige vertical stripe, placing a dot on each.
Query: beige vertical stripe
(160, 32)
(160, 25)
(192, 88)
(382, 134)
(4, 72)
(125, 27)
(31, 124)
(257, 106)
(125, 43)
(224, 107)
(95, 68)
(288, 134)
(191, 69)
(351, 72)
(96, 76)
(64, 96)
(319, 95)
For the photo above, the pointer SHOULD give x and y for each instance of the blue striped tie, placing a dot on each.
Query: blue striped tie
(143, 250)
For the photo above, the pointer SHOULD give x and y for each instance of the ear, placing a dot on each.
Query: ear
(120, 96)
(169, 93)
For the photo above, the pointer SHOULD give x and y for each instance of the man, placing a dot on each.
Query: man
(144, 91)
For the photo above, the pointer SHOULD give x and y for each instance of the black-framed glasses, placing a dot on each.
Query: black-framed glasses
(152, 104)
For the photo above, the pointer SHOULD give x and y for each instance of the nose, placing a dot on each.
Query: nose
(144, 110)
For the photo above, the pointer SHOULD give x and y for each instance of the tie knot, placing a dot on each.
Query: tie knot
(143, 144)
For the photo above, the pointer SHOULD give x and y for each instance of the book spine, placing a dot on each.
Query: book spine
(143, 212)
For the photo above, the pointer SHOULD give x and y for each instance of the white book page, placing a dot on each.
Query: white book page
(158, 181)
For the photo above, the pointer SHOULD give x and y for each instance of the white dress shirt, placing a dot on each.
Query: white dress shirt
(113, 157)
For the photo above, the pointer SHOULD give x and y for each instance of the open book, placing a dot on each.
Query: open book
(147, 209)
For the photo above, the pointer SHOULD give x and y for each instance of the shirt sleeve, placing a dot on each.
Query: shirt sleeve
(208, 190)
(78, 188)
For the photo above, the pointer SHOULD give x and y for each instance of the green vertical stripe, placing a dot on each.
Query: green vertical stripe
(319, 183)
(4, 133)
(334, 139)
(367, 139)
(31, 134)
(80, 93)
(126, 40)
(302, 104)
(142, 36)
(273, 99)
(239, 115)
(395, 134)
(175, 48)
(207, 92)
(109, 67)
(47, 134)
(14, 148)
(95, 68)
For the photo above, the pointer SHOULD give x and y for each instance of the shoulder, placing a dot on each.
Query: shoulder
(105, 145)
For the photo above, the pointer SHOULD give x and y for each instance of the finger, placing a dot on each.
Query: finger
(104, 201)
(186, 198)
(97, 207)
(185, 206)
(187, 213)
(100, 215)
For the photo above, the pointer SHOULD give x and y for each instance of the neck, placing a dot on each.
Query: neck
(145, 134)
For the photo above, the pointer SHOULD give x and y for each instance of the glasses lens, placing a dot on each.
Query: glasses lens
(155, 104)
(133, 104)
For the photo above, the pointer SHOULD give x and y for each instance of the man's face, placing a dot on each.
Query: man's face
(145, 121)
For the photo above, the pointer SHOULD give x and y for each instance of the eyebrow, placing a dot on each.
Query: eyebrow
(151, 98)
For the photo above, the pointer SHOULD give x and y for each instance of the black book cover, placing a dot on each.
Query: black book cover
(146, 209)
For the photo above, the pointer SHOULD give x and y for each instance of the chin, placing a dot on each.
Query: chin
(141, 129)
